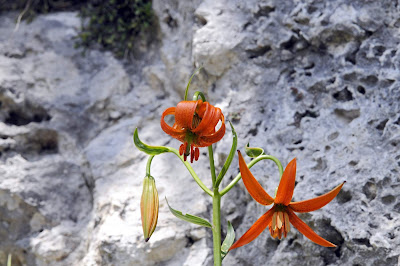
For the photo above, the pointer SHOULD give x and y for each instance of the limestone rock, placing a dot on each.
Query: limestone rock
(315, 80)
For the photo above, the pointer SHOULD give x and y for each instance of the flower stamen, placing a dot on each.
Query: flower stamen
(191, 153)
(280, 222)
(196, 120)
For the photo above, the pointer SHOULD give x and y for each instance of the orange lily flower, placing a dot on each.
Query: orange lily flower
(194, 125)
(281, 215)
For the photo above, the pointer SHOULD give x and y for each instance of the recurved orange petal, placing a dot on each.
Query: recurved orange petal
(207, 140)
(184, 113)
(209, 120)
(252, 185)
(212, 122)
(172, 131)
(306, 230)
(286, 186)
(255, 230)
(315, 203)
(201, 109)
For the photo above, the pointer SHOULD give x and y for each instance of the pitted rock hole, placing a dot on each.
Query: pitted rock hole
(382, 124)
(370, 80)
(20, 114)
(330, 256)
(333, 136)
(388, 199)
(37, 142)
(361, 89)
(344, 196)
(257, 51)
(396, 207)
(370, 189)
(379, 50)
(362, 241)
(299, 116)
(343, 96)
(347, 115)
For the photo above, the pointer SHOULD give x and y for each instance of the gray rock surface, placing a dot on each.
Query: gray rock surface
(315, 80)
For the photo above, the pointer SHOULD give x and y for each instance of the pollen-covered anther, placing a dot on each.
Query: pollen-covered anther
(194, 153)
(191, 153)
(181, 149)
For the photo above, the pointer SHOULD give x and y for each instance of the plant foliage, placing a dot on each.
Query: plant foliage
(115, 24)
(31, 8)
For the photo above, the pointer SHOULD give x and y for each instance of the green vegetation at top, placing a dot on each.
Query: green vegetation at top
(113, 24)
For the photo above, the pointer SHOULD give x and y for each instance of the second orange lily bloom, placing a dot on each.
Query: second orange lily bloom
(281, 215)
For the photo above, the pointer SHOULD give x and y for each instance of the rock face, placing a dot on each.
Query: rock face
(315, 80)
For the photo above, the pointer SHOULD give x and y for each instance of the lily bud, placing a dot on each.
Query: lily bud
(149, 207)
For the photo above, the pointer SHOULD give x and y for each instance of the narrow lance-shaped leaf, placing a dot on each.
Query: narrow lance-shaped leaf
(150, 150)
(253, 152)
(230, 237)
(188, 217)
(230, 157)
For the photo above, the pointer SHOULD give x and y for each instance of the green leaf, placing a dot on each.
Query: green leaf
(230, 157)
(150, 150)
(230, 237)
(188, 217)
(253, 152)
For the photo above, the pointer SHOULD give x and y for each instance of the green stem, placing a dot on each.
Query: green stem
(216, 230)
(149, 164)
(190, 80)
(156, 150)
(192, 172)
(197, 94)
(212, 166)
(253, 162)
